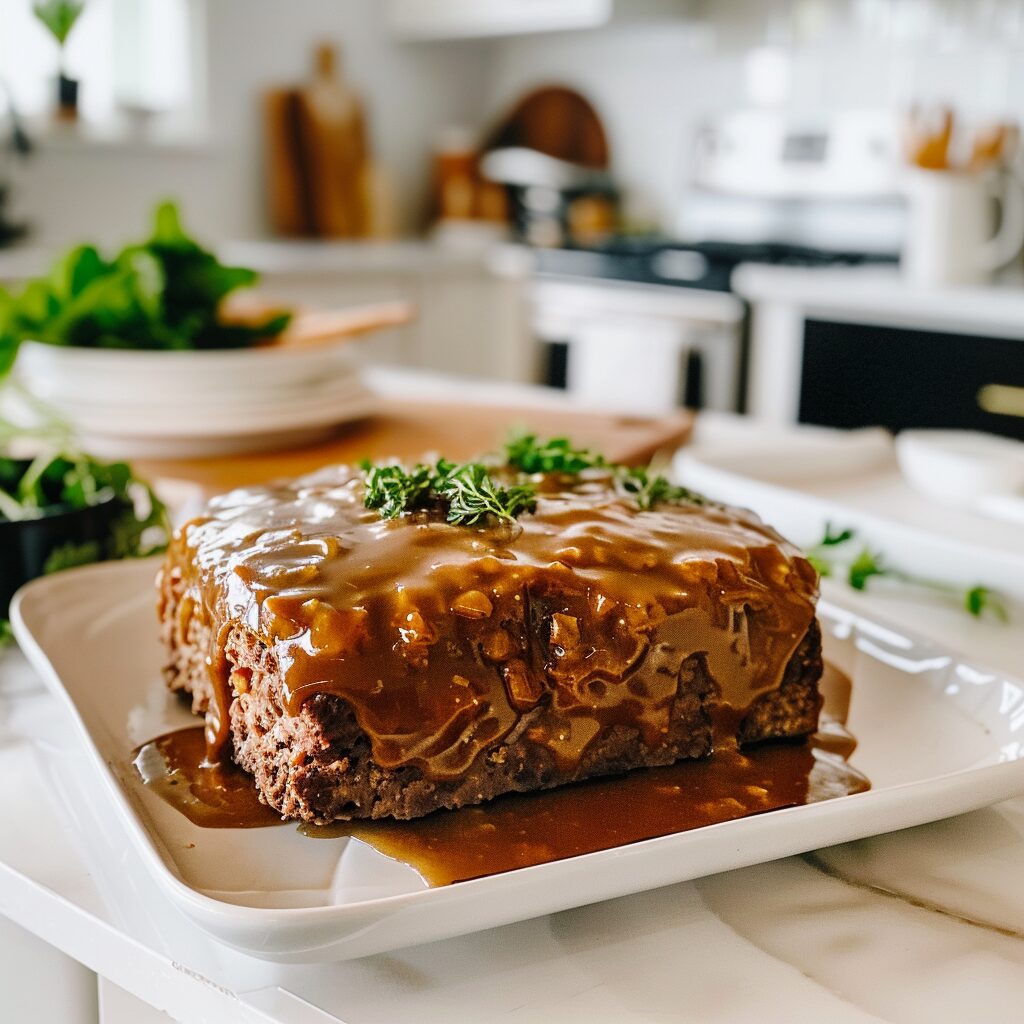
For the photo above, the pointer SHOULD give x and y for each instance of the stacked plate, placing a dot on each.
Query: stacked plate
(135, 403)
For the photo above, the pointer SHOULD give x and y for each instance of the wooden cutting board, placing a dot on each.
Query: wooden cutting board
(412, 430)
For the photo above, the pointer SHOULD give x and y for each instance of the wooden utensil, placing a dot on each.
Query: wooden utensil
(329, 326)
(310, 327)
(928, 135)
(994, 146)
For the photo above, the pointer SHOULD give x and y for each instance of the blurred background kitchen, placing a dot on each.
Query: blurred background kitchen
(647, 202)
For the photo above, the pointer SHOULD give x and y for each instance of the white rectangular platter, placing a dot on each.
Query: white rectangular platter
(938, 736)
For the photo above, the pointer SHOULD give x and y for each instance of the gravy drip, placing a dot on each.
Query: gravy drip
(213, 795)
(440, 637)
(536, 828)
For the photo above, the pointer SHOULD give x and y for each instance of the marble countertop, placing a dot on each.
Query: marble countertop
(923, 924)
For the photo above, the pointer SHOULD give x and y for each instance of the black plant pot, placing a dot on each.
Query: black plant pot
(67, 96)
(27, 544)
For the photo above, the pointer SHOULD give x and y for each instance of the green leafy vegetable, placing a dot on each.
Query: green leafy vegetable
(6, 634)
(164, 293)
(826, 557)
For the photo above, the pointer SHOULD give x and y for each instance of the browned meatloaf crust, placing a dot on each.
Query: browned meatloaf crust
(325, 752)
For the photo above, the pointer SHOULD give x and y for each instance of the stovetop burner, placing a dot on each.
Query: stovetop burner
(662, 261)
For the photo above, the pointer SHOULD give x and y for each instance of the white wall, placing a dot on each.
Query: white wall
(659, 69)
(653, 81)
(78, 189)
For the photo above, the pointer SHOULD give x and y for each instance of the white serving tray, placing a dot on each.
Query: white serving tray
(938, 736)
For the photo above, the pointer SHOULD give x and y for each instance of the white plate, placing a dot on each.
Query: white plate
(133, 431)
(799, 481)
(938, 736)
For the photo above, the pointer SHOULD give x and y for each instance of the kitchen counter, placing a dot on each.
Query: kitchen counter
(924, 924)
(880, 295)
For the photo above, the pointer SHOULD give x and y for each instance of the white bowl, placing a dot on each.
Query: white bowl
(143, 404)
(55, 373)
(960, 466)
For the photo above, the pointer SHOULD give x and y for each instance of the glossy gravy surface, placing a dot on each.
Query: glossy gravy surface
(587, 608)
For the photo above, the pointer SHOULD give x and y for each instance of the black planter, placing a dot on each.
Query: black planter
(25, 545)
(67, 96)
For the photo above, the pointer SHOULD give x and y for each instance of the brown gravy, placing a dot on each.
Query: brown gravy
(524, 830)
(213, 795)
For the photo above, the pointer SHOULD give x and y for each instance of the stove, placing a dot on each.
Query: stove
(707, 265)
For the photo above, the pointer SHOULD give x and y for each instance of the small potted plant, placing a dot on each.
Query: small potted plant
(60, 16)
(63, 509)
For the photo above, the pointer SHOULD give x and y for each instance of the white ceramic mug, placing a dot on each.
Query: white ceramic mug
(951, 237)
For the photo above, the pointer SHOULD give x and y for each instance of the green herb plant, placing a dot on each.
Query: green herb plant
(76, 481)
(834, 556)
(59, 17)
(57, 483)
(164, 293)
(470, 494)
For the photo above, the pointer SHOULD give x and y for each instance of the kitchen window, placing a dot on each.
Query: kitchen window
(134, 59)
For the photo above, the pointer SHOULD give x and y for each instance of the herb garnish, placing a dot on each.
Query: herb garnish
(827, 557)
(472, 494)
(164, 293)
(6, 634)
(392, 490)
(557, 455)
(469, 491)
(648, 489)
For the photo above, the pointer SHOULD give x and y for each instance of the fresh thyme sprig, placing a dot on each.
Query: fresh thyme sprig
(558, 455)
(392, 490)
(649, 489)
(827, 557)
(468, 489)
(472, 495)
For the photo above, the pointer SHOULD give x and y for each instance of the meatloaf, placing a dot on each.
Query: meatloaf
(368, 668)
